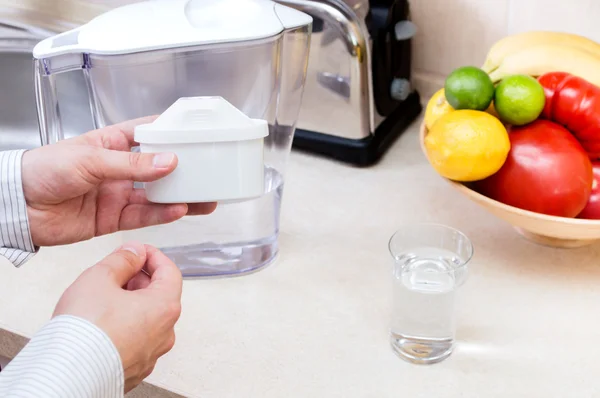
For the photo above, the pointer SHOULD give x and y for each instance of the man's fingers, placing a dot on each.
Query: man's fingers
(198, 209)
(127, 128)
(118, 137)
(138, 197)
(164, 274)
(167, 344)
(139, 281)
(141, 216)
(131, 166)
(123, 264)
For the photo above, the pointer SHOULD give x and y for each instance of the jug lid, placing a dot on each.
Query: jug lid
(201, 120)
(161, 24)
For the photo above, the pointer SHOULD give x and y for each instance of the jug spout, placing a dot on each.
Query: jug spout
(293, 64)
(51, 57)
(291, 18)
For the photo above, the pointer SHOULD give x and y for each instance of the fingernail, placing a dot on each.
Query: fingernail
(163, 160)
(131, 249)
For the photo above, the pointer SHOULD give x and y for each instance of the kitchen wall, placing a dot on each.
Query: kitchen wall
(451, 33)
(455, 33)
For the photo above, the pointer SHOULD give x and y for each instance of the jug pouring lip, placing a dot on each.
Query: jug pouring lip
(57, 45)
(171, 24)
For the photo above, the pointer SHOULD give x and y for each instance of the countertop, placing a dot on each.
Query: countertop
(315, 322)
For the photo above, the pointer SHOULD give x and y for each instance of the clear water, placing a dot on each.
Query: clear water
(237, 238)
(423, 318)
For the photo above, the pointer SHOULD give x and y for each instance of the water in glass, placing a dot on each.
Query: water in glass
(423, 320)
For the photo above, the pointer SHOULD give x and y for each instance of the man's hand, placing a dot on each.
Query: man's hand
(138, 312)
(83, 187)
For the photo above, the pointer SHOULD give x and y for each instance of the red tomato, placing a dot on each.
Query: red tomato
(550, 82)
(574, 103)
(547, 171)
(592, 209)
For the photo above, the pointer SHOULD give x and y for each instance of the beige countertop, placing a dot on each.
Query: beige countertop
(314, 323)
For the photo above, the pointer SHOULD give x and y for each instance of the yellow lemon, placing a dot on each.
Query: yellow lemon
(436, 108)
(467, 145)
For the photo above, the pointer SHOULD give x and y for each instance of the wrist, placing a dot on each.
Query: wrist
(35, 225)
(33, 215)
(28, 180)
(15, 237)
(37, 213)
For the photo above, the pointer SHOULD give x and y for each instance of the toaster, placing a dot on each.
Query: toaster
(358, 96)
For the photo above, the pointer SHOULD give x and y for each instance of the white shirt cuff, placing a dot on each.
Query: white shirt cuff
(69, 357)
(15, 237)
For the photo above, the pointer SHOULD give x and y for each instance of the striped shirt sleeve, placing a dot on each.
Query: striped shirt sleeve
(15, 236)
(68, 358)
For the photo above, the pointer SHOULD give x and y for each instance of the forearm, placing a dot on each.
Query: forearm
(15, 236)
(69, 357)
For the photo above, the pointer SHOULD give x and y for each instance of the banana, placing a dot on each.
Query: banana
(520, 41)
(537, 60)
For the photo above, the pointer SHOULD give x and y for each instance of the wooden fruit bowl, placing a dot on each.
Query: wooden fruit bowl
(545, 230)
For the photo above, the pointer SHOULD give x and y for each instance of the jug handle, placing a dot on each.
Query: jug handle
(57, 59)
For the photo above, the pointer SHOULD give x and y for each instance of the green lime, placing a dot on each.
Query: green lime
(469, 88)
(519, 99)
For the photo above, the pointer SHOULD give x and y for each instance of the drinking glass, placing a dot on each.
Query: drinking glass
(430, 264)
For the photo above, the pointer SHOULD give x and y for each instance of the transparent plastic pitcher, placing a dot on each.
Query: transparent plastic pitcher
(139, 59)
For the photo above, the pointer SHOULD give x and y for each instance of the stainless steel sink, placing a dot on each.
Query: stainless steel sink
(18, 116)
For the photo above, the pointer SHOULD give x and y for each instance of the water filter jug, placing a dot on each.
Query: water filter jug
(139, 59)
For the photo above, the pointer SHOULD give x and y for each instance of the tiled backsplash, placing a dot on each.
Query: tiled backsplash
(453, 33)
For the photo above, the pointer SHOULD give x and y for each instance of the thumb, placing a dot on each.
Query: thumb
(133, 166)
(123, 264)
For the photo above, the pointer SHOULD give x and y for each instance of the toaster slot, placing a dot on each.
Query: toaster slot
(391, 33)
